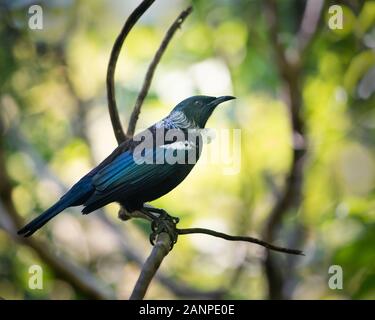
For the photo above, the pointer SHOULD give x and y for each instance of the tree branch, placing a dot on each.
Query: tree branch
(179, 288)
(309, 24)
(163, 245)
(151, 69)
(239, 238)
(159, 251)
(111, 96)
(152, 264)
(185, 231)
(290, 72)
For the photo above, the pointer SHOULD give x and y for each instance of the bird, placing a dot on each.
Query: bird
(143, 168)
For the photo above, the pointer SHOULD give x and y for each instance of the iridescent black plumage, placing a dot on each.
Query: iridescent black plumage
(122, 178)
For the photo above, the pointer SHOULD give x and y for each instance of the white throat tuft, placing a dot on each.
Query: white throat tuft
(176, 120)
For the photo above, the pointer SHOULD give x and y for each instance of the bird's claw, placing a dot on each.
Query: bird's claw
(164, 223)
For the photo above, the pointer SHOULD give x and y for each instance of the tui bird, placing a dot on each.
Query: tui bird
(138, 171)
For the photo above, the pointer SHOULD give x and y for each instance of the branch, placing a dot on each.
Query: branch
(152, 264)
(239, 238)
(163, 246)
(273, 25)
(290, 72)
(309, 24)
(112, 106)
(151, 69)
(180, 289)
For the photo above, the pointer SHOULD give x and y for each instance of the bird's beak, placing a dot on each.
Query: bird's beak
(219, 100)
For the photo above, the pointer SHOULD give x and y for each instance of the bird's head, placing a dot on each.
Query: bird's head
(198, 109)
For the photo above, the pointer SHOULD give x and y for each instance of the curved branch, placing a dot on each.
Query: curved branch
(152, 264)
(112, 106)
(163, 246)
(239, 238)
(151, 69)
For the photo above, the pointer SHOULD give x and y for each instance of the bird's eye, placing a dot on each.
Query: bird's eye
(198, 103)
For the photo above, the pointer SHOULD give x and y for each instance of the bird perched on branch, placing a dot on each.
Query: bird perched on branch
(143, 168)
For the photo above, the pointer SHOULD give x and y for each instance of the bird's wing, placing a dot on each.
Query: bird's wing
(127, 172)
(125, 176)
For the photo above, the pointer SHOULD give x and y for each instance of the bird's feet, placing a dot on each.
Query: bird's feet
(163, 223)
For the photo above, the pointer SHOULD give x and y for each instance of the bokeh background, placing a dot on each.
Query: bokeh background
(55, 126)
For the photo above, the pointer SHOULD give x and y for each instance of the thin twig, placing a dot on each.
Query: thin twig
(112, 106)
(139, 214)
(151, 69)
(239, 238)
(152, 264)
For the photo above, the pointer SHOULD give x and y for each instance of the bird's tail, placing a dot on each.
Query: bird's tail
(73, 197)
(42, 219)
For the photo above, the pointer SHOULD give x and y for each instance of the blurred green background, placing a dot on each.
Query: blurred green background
(55, 126)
